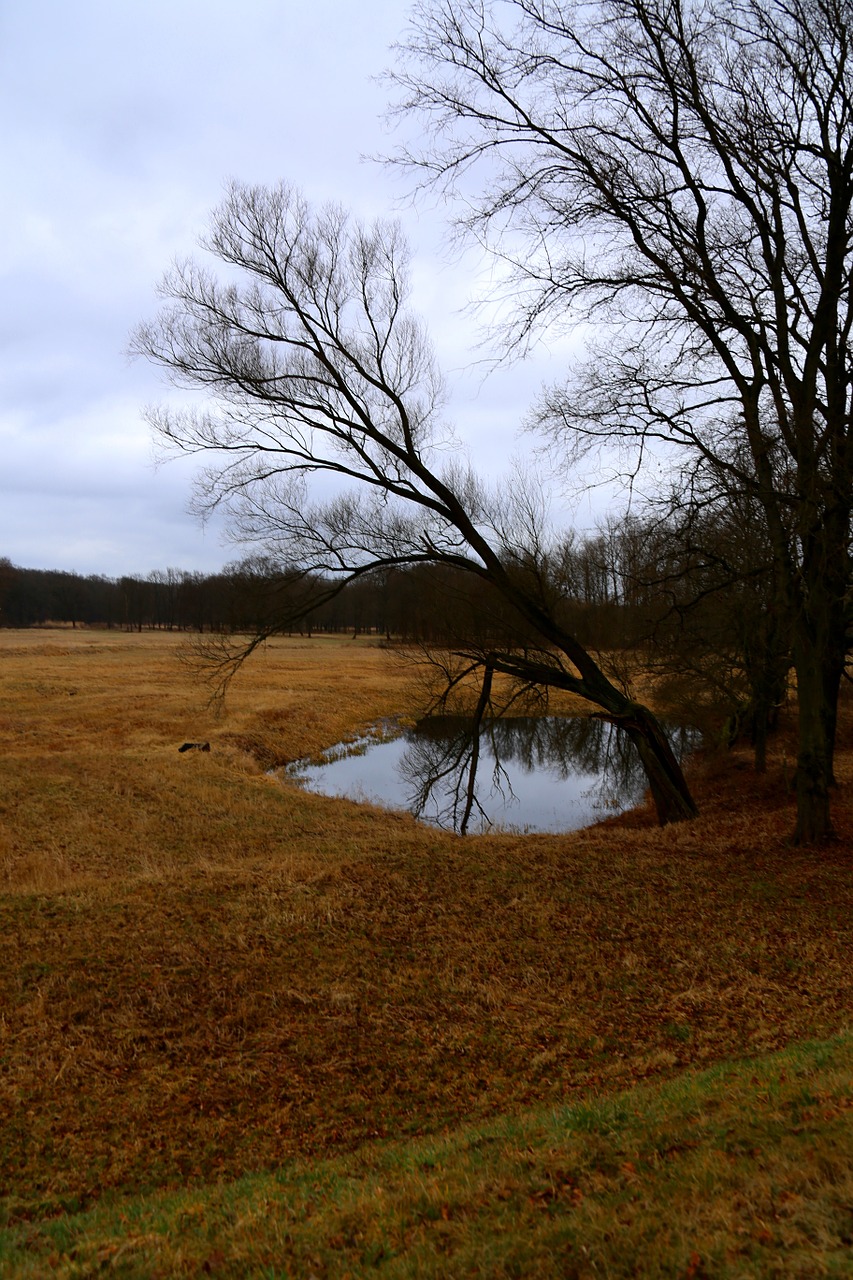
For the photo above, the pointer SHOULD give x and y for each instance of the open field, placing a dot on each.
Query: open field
(207, 974)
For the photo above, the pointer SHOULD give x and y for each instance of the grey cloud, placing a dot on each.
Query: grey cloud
(121, 123)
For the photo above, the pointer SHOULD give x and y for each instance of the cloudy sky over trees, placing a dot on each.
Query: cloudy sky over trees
(121, 125)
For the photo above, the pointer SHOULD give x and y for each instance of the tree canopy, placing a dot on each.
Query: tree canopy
(679, 172)
(314, 368)
(682, 172)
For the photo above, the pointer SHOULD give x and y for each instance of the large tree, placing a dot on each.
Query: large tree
(681, 170)
(313, 370)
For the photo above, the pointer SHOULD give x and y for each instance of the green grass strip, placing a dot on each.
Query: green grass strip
(743, 1170)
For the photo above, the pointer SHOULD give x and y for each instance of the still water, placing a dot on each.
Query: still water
(546, 773)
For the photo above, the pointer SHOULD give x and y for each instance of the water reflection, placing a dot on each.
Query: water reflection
(520, 773)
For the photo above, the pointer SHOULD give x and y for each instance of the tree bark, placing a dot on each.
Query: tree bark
(670, 793)
(814, 824)
(819, 673)
(819, 655)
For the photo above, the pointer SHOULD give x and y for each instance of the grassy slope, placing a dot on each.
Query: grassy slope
(206, 974)
(742, 1170)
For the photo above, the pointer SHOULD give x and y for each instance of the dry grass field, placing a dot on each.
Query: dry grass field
(207, 973)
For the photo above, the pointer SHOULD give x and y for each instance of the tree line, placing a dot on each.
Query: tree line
(240, 598)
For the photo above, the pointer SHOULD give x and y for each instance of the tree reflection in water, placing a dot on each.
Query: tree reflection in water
(544, 773)
(454, 776)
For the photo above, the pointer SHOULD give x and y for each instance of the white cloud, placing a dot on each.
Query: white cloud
(122, 122)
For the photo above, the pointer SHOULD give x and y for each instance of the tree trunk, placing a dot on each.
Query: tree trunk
(759, 738)
(818, 683)
(670, 793)
(669, 788)
(819, 653)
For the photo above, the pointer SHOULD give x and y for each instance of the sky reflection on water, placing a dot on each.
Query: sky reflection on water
(546, 773)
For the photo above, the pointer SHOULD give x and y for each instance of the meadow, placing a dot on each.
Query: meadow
(250, 1031)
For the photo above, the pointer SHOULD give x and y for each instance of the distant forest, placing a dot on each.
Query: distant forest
(597, 584)
(240, 598)
(424, 603)
(433, 604)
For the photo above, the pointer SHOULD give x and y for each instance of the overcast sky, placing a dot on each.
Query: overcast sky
(121, 121)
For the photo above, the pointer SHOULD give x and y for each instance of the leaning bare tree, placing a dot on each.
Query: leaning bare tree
(313, 369)
(681, 170)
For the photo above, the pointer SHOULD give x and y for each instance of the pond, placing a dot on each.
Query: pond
(520, 774)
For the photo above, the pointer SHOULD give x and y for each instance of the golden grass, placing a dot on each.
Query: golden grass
(205, 972)
(91, 723)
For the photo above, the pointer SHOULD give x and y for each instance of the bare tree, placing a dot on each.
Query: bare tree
(313, 370)
(702, 609)
(684, 170)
